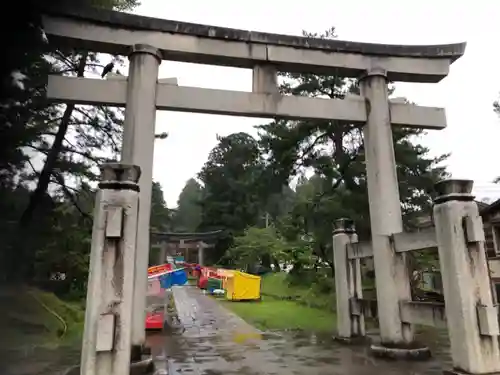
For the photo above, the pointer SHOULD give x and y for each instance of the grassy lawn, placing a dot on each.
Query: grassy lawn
(276, 285)
(41, 333)
(41, 315)
(285, 307)
(275, 314)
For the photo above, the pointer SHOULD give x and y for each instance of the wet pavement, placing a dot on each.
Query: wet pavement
(214, 341)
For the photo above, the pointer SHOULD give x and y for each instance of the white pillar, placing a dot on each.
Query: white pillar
(392, 279)
(348, 289)
(163, 252)
(138, 149)
(471, 316)
(201, 249)
(110, 290)
(182, 248)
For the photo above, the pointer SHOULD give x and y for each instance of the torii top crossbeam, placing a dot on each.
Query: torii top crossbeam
(186, 237)
(114, 32)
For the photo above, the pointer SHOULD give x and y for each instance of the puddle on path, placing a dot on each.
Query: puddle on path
(216, 341)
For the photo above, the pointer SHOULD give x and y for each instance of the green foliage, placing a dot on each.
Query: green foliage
(66, 251)
(187, 217)
(232, 183)
(276, 205)
(316, 289)
(231, 179)
(255, 245)
(49, 155)
(161, 216)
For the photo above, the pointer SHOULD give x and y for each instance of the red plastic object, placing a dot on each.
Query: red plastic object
(159, 269)
(154, 320)
(208, 272)
(202, 282)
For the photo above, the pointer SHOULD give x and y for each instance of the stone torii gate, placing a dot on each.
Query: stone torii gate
(167, 241)
(148, 41)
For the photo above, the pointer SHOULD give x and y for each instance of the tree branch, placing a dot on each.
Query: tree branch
(60, 180)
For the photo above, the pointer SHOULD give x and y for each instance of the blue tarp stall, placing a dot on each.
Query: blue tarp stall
(176, 277)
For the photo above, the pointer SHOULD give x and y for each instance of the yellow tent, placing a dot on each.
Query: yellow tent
(242, 286)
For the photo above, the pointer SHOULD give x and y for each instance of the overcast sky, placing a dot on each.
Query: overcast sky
(473, 131)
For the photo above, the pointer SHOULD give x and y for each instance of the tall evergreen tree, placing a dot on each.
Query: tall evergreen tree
(48, 152)
(161, 216)
(188, 214)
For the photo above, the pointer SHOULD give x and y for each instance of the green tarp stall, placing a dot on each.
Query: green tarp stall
(214, 283)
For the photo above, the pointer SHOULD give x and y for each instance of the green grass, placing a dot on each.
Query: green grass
(41, 334)
(272, 314)
(70, 316)
(287, 307)
(277, 286)
(38, 317)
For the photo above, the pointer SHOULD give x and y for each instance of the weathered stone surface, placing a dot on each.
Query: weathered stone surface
(472, 316)
(115, 32)
(136, 22)
(239, 103)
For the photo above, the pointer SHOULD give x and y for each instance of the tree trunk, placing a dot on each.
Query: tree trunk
(22, 260)
(277, 267)
(53, 155)
(332, 266)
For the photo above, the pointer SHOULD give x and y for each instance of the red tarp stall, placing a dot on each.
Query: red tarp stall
(155, 314)
(202, 282)
(208, 271)
(205, 274)
(190, 269)
(154, 320)
(160, 269)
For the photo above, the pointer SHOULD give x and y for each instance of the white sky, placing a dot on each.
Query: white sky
(467, 94)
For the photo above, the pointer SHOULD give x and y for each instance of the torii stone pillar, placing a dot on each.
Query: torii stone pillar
(182, 246)
(162, 254)
(347, 282)
(201, 248)
(106, 347)
(138, 149)
(471, 315)
(385, 210)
